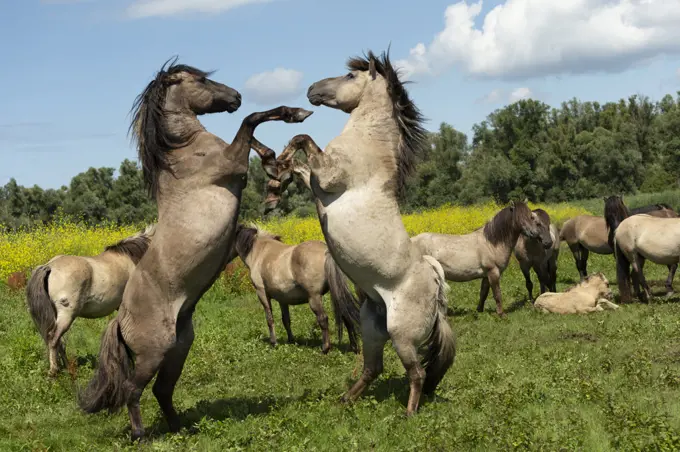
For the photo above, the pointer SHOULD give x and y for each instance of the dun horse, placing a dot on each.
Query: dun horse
(292, 275)
(590, 295)
(644, 237)
(67, 287)
(588, 233)
(615, 211)
(485, 252)
(356, 181)
(197, 180)
(530, 253)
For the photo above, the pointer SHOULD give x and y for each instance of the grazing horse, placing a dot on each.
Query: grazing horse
(590, 295)
(639, 238)
(197, 180)
(484, 253)
(356, 181)
(530, 253)
(68, 286)
(588, 233)
(615, 211)
(292, 275)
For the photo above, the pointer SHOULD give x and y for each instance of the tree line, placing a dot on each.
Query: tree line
(524, 150)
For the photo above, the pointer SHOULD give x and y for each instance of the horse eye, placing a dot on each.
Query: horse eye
(350, 76)
(202, 79)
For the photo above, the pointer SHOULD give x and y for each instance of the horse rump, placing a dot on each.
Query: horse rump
(108, 388)
(41, 308)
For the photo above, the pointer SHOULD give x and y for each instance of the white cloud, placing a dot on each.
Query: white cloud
(519, 94)
(148, 8)
(493, 97)
(272, 87)
(526, 38)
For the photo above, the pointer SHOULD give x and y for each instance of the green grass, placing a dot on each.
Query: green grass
(605, 381)
(670, 197)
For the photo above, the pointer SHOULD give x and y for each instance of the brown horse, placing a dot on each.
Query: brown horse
(615, 211)
(588, 233)
(531, 254)
(197, 180)
(484, 253)
(292, 275)
(91, 287)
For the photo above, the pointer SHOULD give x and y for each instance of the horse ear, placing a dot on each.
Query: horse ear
(371, 68)
(512, 205)
(526, 200)
(172, 79)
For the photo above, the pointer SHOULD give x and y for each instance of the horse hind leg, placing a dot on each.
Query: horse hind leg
(643, 281)
(57, 353)
(285, 318)
(669, 281)
(576, 252)
(170, 371)
(374, 336)
(316, 304)
(584, 261)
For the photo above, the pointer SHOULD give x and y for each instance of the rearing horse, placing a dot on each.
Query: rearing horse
(197, 180)
(356, 181)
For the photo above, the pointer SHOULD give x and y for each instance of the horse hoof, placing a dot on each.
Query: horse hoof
(137, 435)
(53, 373)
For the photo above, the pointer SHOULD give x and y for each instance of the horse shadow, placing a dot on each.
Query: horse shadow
(397, 387)
(237, 408)
(314, 343)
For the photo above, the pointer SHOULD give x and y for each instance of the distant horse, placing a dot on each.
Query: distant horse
(356, 181)
(292, 275)
(644, 237)
(485, 252)
(531, 253)
(197, 180)
(588, 233)
(68, 286)
(615, 211)
(590, 295)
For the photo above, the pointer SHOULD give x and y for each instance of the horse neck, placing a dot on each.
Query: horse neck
(373, 120)
(182, 125)
(116, 259)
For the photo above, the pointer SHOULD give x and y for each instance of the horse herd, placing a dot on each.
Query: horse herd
(155, 278)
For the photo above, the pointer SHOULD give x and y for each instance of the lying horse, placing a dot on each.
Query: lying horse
(292, 275)
(641, 237)
(485, 252)
(588, 233)
(68, 286)
(531, 253)
(615, 211)
(590, 295)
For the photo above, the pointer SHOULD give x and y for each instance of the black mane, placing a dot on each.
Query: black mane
(501, 228)
(134, 247)
(245, 239)
(149, 128)
(408, 116)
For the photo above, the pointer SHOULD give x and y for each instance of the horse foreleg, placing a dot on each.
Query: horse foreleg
(606, 304)
(495, 281)
(483, 293)
(526, 271)
(57, 353)
(170, 371)
(266, 303)
(669, 281)
(374, 336)
(576, 252)
(285, 318)
(584, 261)
(244, 139)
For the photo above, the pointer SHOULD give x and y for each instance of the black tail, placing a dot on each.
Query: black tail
(622, 273)
(42, 309)
(345, 305)
(108, 388)
(440, 347)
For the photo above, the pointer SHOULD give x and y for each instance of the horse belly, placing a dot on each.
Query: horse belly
(369, 244)
(661, 248)
(98, 306)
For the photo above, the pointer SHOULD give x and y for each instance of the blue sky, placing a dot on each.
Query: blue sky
(71, 69)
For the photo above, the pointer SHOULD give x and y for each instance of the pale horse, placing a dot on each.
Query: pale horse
(91, 287)
(590, 295)
(356, 181)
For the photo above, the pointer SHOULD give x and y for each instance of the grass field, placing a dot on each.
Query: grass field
(606, 381)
